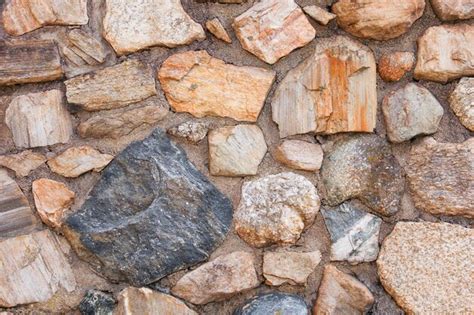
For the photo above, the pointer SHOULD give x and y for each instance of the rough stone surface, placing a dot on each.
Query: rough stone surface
(236, 150)
(428, 267)
(274, 303)
(333, 90)
(153, 200)
(462, 102)
(271, 29)
(289, 267)
(299, 155)
(393, 66)
(215, 27)
(22, 163)
(192, 130)
(275, 209)
(97, 303)
(411, 111)
(190, 82)
(219, 279)
(451, 10)
(318, 14)
(86, 47)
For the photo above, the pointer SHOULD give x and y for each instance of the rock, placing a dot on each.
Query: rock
(128, 82)
(275, 209)
(33, 268)
(363, 167)
(76, 161)
(354, 234)
(193, 131)
(39, 119)
(318, 14)
(22, 163)
(340, 293)
(411, 111)
(86, 47)
(219, 279)
(440, 177)
(52, 199)
(274, 303)
(393, 66)
(151, 214)
(189, 81)
(461, 101)
(445, 53)
(215, 27)
(139, 301)
(20, 17)
(451, 10)
(97, 303)
(333, 90)
(300, 155)
(289, 267)
(272, 29)
(427, 267)
(130, 27)
(377, 19)
(236, 150)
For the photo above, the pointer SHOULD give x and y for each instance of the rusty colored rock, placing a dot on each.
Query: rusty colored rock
(299, 155)
(289, 267)
(318, 14)
(461, 101)
(22, 163)
(215, 27)
(451, 10)
(393, 66)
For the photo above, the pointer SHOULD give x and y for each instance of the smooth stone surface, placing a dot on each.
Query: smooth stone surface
(318, 14)
(393, 66)
(215, 27)
(461, 101)
(452, 10)
(289, 267)
(300, 155)
(97, 303)
(191, 130)
(274, 303)
(22, 163)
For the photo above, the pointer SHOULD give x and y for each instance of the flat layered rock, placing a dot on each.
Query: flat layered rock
(461, 101)
(289, 267)
(97, 303)
(215, 27)
(300, 155)
(22, 163)
(272, 29)
(451, 10)
(427, 267)
(86, 48)
(133, 26)
(393, 66)
(274, 303)
(199, 84)
(318, 14)
(333, 90)
(151, 214)
(193, 131)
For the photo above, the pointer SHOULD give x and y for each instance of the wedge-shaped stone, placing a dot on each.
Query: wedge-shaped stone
(199, 84)
(215, 27)
(289, 267)
(451, 10)
(22, 163)
(462, 102)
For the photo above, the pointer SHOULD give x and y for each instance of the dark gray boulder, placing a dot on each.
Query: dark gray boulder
(274, 303)
(97, 303)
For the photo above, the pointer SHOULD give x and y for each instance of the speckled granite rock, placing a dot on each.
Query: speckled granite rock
(451, 10)
(462, 102)
(97, 303)
(193, 131)
(22, 163)
(393, 66)
(274, 303)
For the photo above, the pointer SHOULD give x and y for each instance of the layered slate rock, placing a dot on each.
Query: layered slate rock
(427, 267)
(151, 214)
(300, 155)
(332, 91)
(215, 27)
(393, 66)
(445, 53)
(272, 29)
(149, 23)
(97, 303)
(318, 14)
(22, 163)
(461, 101)
(289, 267)
(199, 84)
(377, 19)
(274, 303)
(193, 131)
(451, 10)
(363, 167)
(440, 177)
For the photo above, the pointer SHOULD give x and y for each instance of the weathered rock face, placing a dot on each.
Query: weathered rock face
(39, 119)
(440, 177)
(428, 267)
(363, 167)
(193, 131)
(190, 82)
(393, 66)
(300, 155)
(22, 163)
(274, 303)
(236, 150)
(377, 19)
(445, 53)
(215, 27)
(462, 102)
(219, 279)
(318, 14)
(151, 214)
(451, 10)
(289, 267)
(411, 111)
(148, 23)
(86, 47)
(275, 209)
(97, 303)
(331, 91)
(33, 268)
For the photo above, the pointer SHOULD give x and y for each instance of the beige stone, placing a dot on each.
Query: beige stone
(461, 101)
(393, 66)
(215, 27)
(87, 47)
(300, 155)
(192, 130)
(451, 10)
(289, 267)
(22, 163)
(318, 14)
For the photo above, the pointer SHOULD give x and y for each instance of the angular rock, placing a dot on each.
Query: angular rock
(333, 90)
(86, 47)
(289, 267)
(318, 14)
(393, 66)
(445, 53)
(76, 161)
(190, 82)
(427, 267)
(440, 177)
(451, 10)
(363, 167)
(151, 214)
(33, 268)
(274, 303)
(97, 303)
(377, 19)
(411, 111)
(236, 150)
(300, 155)
(275, 209)
(461, 101)
(22, 163)
(272, 29)
(193, 131)
(219, 279)
(132, 26)
(215, 27)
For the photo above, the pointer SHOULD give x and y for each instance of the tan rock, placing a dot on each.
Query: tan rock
(39, 119)
(377, 19)
(236, 150)
(219, 279)
(393, 66)
(22, 163)
(87, 47)
(132, 26)
(451, 10)
(428, 267)
(215, 27)
(318, 14)
(300, 155)
(461, 101)
(196, 83)
(271, 29)
(340, 293)
(333, 90)
(78, 160)
(445, 53)
(193, 131)
(289, 267)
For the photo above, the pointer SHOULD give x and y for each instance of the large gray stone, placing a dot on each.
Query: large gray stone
(274, 303)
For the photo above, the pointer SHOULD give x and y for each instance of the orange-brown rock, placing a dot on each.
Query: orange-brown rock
(215, 27)
(451, 10)
(393, 66)
(22, 163)
(199, 84)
